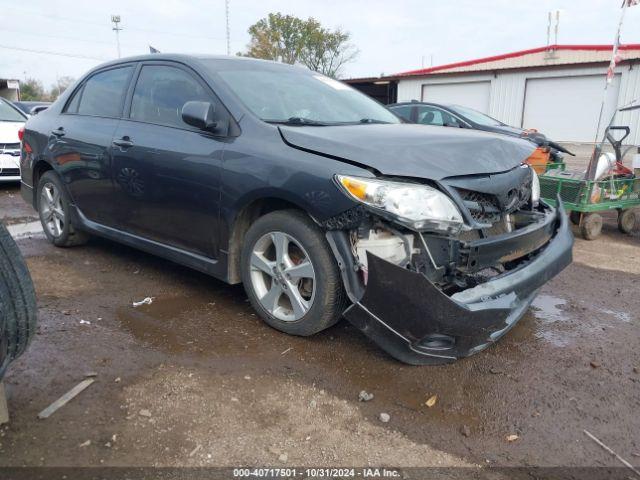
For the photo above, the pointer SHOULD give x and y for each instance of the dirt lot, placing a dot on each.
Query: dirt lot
(196, 379)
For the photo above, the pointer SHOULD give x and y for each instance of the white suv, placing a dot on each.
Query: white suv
(11, 121)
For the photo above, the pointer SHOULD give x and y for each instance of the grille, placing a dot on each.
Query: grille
(482, 207)
(9, 172)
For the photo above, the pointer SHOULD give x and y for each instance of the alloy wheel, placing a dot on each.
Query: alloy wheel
(282, 276)
(51, 209)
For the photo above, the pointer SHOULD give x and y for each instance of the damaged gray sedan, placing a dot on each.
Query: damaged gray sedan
(432, 241)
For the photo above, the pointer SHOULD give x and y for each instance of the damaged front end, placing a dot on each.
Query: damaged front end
(431, 295)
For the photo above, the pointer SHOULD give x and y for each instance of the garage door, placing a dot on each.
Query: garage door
(567, 108)
(469, 94)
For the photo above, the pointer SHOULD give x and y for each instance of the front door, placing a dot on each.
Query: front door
(80, 141)
(167, 173)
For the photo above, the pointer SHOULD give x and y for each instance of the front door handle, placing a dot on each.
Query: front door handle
(59, 132)
(124, 142)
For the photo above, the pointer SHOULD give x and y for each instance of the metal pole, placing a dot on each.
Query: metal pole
(116, 28)
(610, 76)
(226, 6)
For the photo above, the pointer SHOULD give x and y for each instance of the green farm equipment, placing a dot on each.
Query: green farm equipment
(612, 187)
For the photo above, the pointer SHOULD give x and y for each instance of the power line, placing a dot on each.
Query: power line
(61, 37)
(103, 25)
(49, 52)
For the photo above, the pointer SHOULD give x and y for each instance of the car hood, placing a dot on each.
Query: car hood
(9, 132)
(413, 150)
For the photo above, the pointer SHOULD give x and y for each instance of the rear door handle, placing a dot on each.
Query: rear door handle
(124, 142)
(59, 132)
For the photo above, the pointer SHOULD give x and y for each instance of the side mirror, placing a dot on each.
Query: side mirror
(200, 115)
(36, 110)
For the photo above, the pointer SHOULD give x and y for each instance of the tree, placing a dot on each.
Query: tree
(60, 86)
(32, 89)
(289, 39)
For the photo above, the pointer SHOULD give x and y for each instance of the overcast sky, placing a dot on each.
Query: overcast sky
(392, 36)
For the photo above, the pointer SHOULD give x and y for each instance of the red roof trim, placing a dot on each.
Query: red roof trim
(422, 71)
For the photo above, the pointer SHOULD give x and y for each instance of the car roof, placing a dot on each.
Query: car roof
(415, 102)
(31, 102)
(190, 58)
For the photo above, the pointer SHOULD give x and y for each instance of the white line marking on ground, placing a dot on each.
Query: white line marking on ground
(21, 230)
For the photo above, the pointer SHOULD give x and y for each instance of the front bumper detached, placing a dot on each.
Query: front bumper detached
(415, 322)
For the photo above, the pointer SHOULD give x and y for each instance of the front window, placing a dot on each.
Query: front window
(283, 95)
(434, 116)
(10, 114)
(476, 116)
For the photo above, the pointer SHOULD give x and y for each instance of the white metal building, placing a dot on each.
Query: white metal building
(557, 89)
(9, 89)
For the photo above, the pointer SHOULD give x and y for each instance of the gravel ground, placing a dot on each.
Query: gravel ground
(196, 379)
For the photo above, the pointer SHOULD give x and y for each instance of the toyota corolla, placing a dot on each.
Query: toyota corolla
(432, 241)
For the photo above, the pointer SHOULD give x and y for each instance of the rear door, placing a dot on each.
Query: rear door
(80, 142)
(167, 173)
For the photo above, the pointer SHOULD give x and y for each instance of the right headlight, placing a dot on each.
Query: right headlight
(419, 207)
(535, 188)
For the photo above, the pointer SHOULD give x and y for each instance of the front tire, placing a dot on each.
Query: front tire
(290, 275)
(53, 209)
(18, 309)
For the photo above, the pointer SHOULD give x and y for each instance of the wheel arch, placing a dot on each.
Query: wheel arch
(245, 216)
(39, 169)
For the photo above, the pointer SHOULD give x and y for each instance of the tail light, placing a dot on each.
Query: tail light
(21, 133)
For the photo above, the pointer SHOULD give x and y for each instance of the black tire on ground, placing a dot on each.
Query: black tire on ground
(626, 220)
(591, 226)
(70, 236)
(575, 217)
(18, 309)
(330, 298)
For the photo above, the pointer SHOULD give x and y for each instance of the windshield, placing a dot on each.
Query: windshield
(476, 116)
(286, 96)
(10, 114)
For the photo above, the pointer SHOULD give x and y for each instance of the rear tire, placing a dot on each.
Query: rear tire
(626, 220)
(591, 226)
(18, 309)
(53, 209)
(274, 286)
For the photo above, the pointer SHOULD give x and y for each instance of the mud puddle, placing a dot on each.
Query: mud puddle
(222, 325)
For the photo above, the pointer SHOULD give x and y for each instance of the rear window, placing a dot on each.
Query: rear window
(103, 94)
(10, 114)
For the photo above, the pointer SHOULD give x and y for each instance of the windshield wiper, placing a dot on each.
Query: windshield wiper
(371, 120)
(299, 121)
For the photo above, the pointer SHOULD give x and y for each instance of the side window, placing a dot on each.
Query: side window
(449, 120)
(403, 111)
(430, 116)
(103, 93)
(161, 92)
(72, 106)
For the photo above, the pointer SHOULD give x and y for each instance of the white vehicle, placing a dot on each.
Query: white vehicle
(11, 121)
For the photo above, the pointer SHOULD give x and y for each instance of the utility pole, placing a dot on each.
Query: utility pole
(115, 19)
(226, 7)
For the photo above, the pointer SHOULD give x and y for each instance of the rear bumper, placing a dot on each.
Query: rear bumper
(403, 312)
